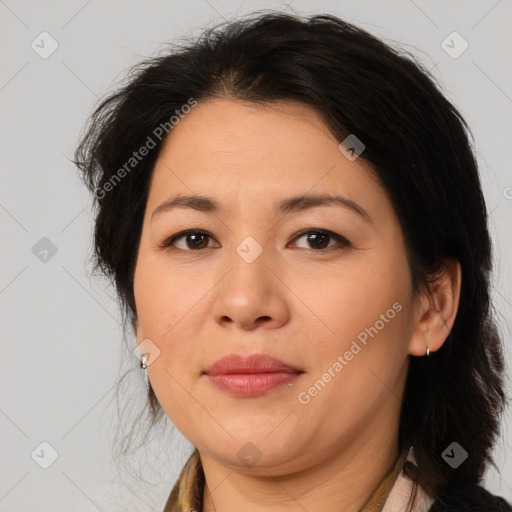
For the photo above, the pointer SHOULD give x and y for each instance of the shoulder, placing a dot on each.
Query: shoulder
(469, 497)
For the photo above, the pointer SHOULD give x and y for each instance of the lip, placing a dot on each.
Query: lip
(251, 375)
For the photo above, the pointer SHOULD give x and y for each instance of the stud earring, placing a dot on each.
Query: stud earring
(428, 351)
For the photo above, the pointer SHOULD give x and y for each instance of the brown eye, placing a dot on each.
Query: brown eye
(193, 240)
(319, 239)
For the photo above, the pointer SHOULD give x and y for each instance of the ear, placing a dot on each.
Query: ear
(436, 312)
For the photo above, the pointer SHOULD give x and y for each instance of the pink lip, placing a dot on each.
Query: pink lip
(250, 375)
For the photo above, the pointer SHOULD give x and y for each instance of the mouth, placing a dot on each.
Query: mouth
(251, 375)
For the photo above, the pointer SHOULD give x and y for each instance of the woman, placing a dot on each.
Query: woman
(292, 216)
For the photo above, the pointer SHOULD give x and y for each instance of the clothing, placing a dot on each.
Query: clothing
(187, 493)
(392, 494)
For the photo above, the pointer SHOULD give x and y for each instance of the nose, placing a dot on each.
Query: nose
(251, 295)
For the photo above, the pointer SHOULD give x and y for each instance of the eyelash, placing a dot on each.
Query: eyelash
(344, 243)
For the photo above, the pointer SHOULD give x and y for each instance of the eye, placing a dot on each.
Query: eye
(195, 237)
(319, 238)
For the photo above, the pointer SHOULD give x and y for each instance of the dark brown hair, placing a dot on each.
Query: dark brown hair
(418, 146)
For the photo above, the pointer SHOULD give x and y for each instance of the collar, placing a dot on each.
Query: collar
(395, 490)
(402, 489)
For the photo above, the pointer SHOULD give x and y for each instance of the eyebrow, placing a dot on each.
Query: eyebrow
(290, 205)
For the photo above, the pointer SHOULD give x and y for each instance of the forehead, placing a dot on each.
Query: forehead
(222, 129)
(255, 152)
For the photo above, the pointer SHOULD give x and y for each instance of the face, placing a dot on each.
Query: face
(325, 288)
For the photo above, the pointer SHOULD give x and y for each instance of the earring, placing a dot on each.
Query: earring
(143, 365)
(428, 351)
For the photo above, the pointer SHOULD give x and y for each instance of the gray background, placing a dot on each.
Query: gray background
(61, 336)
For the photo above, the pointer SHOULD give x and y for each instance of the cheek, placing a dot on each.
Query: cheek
(355, 297)
(357, 367)
(168, 304)
(363, 321)
(163, 319)
(164, 297)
